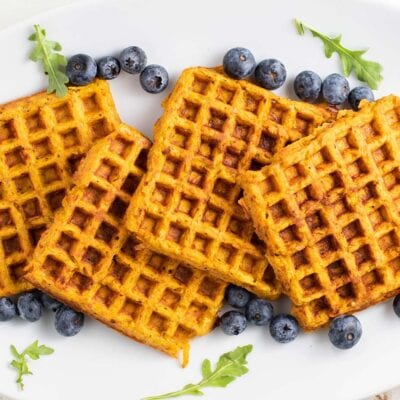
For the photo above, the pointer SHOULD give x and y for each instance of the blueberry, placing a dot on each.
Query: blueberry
(7, 309)
(154, 78)
(239, 63)
(81, 69)
(307, 86)
(270, 74)
(345, 331)
(259, 312)
(38, 294)
(396, 305)
(108, 68)
(50, 303)
(237, 297)
(68, 322)
(335, 89)
(360, 93)
(133, 60)
(29, 307)
(233, 323)
(284, 328)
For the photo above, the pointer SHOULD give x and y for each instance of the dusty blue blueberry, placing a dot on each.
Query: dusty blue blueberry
(284, 328)
(133, 60)
(154, 78)
(233, 322)
(81, 69)
(50, 303)
(7, 309)
(29, 307)
(360, 93)
(307, 86)
(239, 63)
(396, 305)
(335, 89)
(270, 74)
(259, 312)
(68, 322)
(108, 68)
(345, 331)
(237, 297)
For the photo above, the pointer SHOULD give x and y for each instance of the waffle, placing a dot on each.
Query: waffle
(89, 260)
(42, 139)
(186, 207)
(328, 207)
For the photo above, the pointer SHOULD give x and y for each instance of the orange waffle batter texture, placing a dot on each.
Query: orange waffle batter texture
(42, 139)
(328, 207)
(213, 129)
(87, 259)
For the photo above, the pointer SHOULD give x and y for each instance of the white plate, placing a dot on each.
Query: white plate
(100, 364)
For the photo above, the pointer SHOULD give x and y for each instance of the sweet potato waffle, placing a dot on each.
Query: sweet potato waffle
(328, 207)
(89, 260)
(213, 129)
(42, 139)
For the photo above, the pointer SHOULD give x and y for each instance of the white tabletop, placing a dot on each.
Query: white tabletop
(14, 11)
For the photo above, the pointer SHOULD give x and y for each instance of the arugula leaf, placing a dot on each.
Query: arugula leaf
(206, 368)
(47, 52)
(366, 71)
(230, 366)
(20, 362)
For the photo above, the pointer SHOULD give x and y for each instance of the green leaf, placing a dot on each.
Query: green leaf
(20, 383)
(222, 381)
(14, 351)
(366, 71)
(34, 351)
(192, 390)
(16, 364)
(53, 63)
(240, 353)
(32, 355)
(299, 27)
(206, 368)
(45, 351)
(230, 366)
(236, 357)
(20, 363)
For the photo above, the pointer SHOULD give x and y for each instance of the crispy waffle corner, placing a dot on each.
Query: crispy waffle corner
(328, 207)
(213, 129)
(89, 260)
(42, 140)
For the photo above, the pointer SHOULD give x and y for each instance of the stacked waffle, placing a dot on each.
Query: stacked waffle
(146, 237)
(42, 140)
(90, 261)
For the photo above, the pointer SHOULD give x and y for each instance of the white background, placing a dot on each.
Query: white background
(101, 364)
(12, 11)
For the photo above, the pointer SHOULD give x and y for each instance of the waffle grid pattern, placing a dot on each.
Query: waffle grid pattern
(213, 129)
(329, 210)
(89, 260)
(42, 140)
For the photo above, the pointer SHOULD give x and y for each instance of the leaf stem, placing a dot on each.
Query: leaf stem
(173, 394)
(40, 40)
